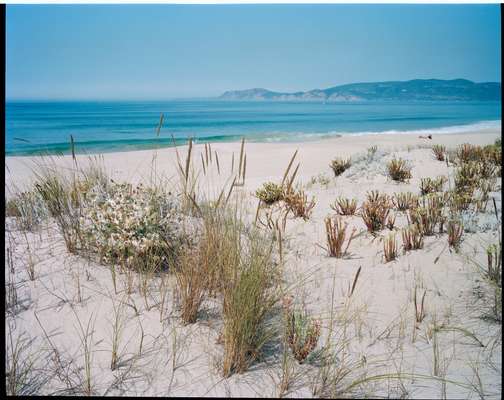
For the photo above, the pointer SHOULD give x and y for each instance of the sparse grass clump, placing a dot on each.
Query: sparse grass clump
(250, 290)
(390, 248)
(439, 152)
(340, 165)
(55, 189)
(303, 332)
(270, 193)
(371, 152)
(429, 185)
(466, 179)
(336, 235)
(28, 209)
(493, 153)
(297, 202)
(404, 201)
(22, 377)
(455, 231)
(375, 210)
(460, 201)
(321, 179)
(429, 215)
(467, 152)
(398, 170)
(192, 283)
(344, 206)
(412, 238)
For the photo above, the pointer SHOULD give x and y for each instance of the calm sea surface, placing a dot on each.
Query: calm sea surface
(35, 127)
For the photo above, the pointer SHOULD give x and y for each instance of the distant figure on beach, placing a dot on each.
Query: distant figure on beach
(425, 137)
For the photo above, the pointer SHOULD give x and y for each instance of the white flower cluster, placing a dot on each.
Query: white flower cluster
(125, 223)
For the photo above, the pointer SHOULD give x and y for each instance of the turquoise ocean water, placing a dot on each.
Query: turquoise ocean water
(45, 127)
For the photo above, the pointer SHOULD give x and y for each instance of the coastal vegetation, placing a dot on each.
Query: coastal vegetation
(252, 295)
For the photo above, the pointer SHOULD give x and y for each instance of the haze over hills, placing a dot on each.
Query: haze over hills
(417, 89)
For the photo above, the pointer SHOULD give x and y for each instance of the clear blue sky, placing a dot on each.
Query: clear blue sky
(166, 51)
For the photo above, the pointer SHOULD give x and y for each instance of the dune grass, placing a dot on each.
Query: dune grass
(340, 165)
(344, 206)
(250, 291)
(336, 232)
(302, 331)
(398, 170)
(375, 210)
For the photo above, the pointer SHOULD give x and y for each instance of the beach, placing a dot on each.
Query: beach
(265, 160)
(380, 346)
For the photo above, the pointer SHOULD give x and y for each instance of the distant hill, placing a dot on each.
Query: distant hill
(417, 89)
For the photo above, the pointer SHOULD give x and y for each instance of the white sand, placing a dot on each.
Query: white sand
(377, 321)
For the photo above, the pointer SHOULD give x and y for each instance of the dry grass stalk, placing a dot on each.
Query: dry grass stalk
(286, 173)
(217, 161)
(86, 338)
(398, 170)
(242, 165)
(419, 308)
(336, 235)
(356, 278)
(203, 164)
(390, 248)
(188, 160)
(30, 262)
(163, 292)
(117, 330)
(344, 206)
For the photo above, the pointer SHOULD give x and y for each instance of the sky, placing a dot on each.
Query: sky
(166, 51)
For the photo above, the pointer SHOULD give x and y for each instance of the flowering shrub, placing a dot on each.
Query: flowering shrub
(126, 224)
(270, 193)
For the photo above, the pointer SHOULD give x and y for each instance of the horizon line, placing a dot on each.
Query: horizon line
(198, 97)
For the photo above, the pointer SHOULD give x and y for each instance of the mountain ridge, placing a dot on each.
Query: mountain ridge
(415, 89)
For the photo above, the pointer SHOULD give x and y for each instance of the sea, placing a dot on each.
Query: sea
(108, 126)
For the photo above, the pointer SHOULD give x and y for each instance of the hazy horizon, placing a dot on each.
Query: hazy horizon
(168, 52)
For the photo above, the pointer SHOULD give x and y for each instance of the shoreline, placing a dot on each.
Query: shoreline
(485, 126)
(265, 160)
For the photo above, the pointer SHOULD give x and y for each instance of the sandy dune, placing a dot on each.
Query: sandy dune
(374, 329)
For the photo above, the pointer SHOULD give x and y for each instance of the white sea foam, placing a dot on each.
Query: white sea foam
(307, 136)
(476, 127)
